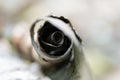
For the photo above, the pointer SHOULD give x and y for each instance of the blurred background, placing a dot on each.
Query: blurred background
(96, 21)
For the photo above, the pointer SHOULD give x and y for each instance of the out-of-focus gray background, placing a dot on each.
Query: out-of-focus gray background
(96, 21)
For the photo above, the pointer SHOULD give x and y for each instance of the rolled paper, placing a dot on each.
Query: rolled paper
(59, 49)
